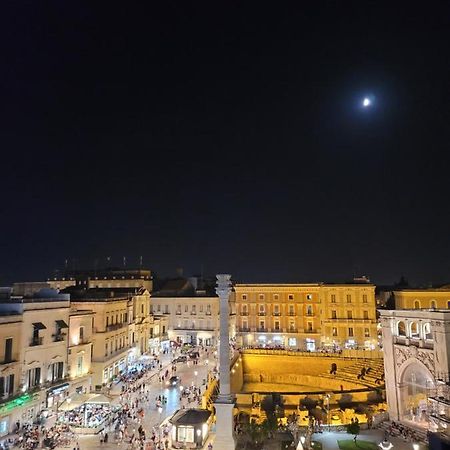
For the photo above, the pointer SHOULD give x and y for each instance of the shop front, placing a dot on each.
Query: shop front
(154, 345)
(57, 395)
(190, 428)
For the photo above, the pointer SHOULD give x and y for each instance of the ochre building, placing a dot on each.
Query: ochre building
(432, 298)
(306, 316)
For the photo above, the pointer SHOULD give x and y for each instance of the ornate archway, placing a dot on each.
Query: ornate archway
(415, 380)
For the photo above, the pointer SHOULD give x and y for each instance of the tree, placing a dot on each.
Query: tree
(354, 428)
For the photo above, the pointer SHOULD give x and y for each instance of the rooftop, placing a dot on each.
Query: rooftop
(190, 417)
(78, 293)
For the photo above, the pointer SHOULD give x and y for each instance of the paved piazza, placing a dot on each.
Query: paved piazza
(153, 420)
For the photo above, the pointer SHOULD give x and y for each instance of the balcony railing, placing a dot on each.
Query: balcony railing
(292, 313)
(116, 326)
(261, 313)
(36, 341)
(262, 329)
(208, 313)
(58, 337)
(244, 329)
(276, 313)
(292, 330)
(244, 313)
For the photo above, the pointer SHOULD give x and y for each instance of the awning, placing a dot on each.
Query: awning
(99, 399)
(39, 326)
(61, 324)
(58, 389)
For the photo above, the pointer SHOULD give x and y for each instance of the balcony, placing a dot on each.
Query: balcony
(292, 313)
(116, 326)
(262, 330)
(208, 313)
(244, 313)
(292, 330)
(36, 341)
(261, 313)
(178, 313)
(244, 329)
(310, 314)
(276, 313)
(193, 313)
(58, 337)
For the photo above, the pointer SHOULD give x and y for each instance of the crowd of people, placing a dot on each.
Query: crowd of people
(123, 423)
(31, 437)
(87, 415)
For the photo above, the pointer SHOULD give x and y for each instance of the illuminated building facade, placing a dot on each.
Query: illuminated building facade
(306, 316)
(437, 298)
(104, 278)
(80, 350)
(416, 346)
(192, 310)
(42, 361)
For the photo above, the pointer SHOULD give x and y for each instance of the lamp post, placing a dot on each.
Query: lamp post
(327, 398)
(159, 426)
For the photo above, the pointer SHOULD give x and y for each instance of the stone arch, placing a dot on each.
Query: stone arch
(414, 382)
(414, 330)
(416, 304)
(426, 331)
(401, 328)
(433, 304)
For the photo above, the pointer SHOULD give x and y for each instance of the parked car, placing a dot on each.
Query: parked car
(181, 358)
(173, 381)
(194, 355)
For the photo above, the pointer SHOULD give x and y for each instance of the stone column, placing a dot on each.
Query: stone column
(224, 404)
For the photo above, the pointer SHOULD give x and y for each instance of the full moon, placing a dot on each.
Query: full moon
(366, 102)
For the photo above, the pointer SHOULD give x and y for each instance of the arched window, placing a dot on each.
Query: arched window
(401, 329)
(416, 304)
(414, 330)
(433, 304)
(427, 331)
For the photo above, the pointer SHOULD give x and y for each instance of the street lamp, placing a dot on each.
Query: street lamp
(159, 426)
(385, 445)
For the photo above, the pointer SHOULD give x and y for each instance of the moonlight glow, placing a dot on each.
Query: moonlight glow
(366, 102)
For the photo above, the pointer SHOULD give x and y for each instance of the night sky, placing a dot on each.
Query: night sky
(227, 136)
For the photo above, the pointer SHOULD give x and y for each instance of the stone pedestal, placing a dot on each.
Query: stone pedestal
(224, 427)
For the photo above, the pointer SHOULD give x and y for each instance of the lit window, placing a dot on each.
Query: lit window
(335, 331)
(350, 332)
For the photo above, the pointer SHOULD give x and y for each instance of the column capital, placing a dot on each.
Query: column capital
(224, 284)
